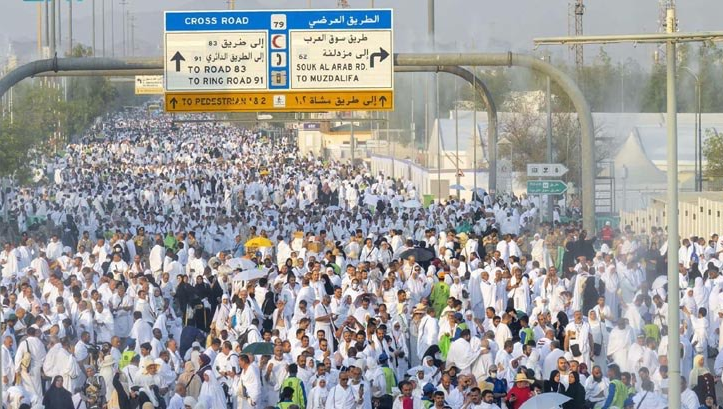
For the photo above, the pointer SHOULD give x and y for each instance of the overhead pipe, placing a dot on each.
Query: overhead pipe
(435, 60)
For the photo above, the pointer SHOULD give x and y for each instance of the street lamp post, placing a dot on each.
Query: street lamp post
(698, 161)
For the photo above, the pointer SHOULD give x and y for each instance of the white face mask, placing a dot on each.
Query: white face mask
(493, 375)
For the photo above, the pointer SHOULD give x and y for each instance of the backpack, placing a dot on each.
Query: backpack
(243, 339)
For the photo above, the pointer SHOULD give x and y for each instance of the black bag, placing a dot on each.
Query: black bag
(510, 304)
(243, 339)
(575, 349)
(596, 349)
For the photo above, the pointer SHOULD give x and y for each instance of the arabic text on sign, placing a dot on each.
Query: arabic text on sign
(217, 61)
(342, 20)
(280, 101)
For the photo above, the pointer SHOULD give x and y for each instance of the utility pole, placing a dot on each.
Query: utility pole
(579, 11)
(102, 13)
(93, 29)
(456, 135)
(672, 219)
(47, 24)
(474, 137)
(548, 102)
(52, 29)
(112, 30)
(432, 106)
(352, 142)
(132, 18)
(123, 15)
(700, 138)
(60, 24)
(70, 28)
(40, 31)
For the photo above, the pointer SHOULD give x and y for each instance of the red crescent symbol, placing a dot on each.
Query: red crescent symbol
(273, 40)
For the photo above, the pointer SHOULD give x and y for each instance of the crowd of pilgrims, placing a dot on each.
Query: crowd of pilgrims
(187, 265)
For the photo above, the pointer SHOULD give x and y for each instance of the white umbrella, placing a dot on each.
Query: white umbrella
(412, 204)
(457, 187)
(332, 208)
(248, 275)
(659, 282)
(545, 401)
(371, 200)
(479, 191)
(242, 263)
(224, 269)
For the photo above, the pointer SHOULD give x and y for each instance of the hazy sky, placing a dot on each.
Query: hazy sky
(473, 25)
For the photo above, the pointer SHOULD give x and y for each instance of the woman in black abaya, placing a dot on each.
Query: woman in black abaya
(57, 397)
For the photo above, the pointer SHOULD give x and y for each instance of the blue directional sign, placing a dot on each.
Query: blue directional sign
(281, 50)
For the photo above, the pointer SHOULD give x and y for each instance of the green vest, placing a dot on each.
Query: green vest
(427, 403)
(389, 379)
(169, 242)
(529, 335)
(621, 393)
(298, 396)
(126, 359)
(284, 405)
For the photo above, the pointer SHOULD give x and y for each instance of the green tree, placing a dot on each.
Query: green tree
(710, 72)
(713, 152)
(87, 97)
(654, 94)
(37, 113)
(45, 118)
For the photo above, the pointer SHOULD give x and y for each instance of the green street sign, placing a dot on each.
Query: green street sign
(546, 187)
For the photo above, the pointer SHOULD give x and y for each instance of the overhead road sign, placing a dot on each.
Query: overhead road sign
(546, 169)
(546, 187)
(280, 53)
(281, 101)
(149, 84)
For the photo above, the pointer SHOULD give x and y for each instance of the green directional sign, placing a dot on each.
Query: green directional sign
(546, 187)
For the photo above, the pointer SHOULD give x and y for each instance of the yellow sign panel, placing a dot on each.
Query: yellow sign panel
(149, 84)
(280, 101)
